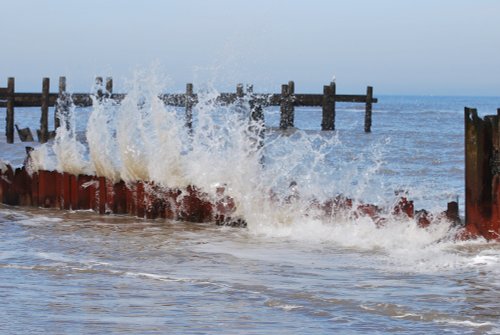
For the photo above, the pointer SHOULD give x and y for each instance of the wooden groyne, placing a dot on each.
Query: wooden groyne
(287, 100)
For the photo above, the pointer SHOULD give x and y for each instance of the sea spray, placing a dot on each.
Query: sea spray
(223, 150)
(71, 154)
(280, 182)
(42, 158)
(101, 139)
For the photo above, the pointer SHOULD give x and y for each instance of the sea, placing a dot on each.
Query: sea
(290, 270)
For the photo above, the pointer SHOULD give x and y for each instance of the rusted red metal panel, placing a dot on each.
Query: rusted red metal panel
(97, 194)
(139, 199)
(11, 197)
(22, 187)
(145, 199)
(116, 197)
(34, 189)
(194, 207)
(59, 190)
(7, 181)
(65, 195)
(404, 207)
(110, 197)
(154, 201)
(4, 185)
(47, 188)
(84, 191)
(423, 218)
(482, 169)
(101, 198)
(172, 204)
(73, 192)
(63, 186)
(120, 198)
(223, 208)
(131, 196)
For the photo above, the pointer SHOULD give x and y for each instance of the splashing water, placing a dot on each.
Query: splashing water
(70, 153)
(277, 187)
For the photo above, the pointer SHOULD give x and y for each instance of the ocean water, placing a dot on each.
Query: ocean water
(290, 269)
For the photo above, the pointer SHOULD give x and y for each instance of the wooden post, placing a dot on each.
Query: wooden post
(328, 122)
(251, 98)
(109, 87)
(284, 110)
(368, 109)
(291, 101)
(98, 84)
(238, 103)
(239, 91)
(256, 112)
(9, 125)
(43, 135)
(257, 125)
(61, 110)
(189, 106)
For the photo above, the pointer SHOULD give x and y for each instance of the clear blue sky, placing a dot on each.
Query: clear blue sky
(439, 47)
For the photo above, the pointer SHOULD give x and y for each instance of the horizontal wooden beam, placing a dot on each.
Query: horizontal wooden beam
(179, 100)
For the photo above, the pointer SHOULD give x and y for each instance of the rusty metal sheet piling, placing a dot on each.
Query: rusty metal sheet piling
(139, 199)
(84, 191)
(47, 192)
(482, 169)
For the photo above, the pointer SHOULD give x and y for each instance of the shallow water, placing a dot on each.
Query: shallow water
(77, 272)
(81, 273)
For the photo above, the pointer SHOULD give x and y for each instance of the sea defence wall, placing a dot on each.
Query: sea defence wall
(482, 174)
(52, 189)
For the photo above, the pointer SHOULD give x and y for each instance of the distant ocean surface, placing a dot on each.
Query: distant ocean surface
(77, 272)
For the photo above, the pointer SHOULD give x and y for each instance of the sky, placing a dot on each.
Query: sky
(424, 47)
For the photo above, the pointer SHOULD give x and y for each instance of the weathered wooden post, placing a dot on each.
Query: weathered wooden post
(98, 84)
(482, 174)
(62, 108)
(239, 91)
(283, 107)
(238, 103)
(291, 108)
(257, 125)
(189, 106)
(250, 93)
(328, 122)
(43, 135)
(368, 109)
(9, 125)
(256, 112)
(109, 87)
(286, 105)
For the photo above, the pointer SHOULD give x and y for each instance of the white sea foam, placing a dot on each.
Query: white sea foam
(3, 166)
(70, 153)
(43, 158)
(101, 139)
(467, 323)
